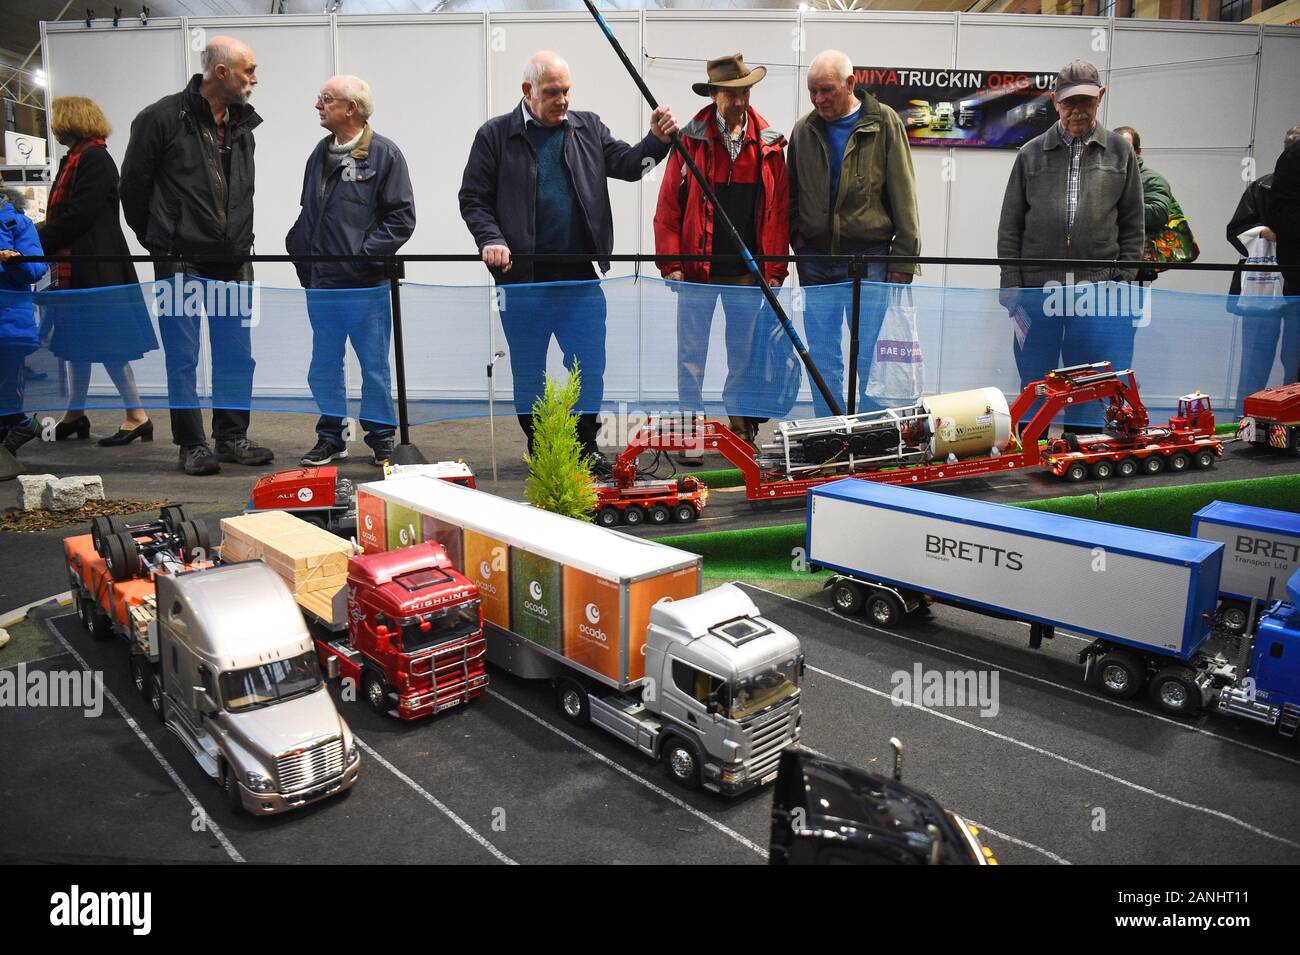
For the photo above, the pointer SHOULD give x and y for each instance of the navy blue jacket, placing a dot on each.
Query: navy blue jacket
(368, 207)
(498, 194)
(17, 321)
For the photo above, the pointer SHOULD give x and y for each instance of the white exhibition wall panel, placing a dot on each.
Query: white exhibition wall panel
(295, 56)
(433, 128)
(678, 46)
(599, 84)
(1278, 108)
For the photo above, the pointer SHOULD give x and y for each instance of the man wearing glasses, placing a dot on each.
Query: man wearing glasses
(356, 200)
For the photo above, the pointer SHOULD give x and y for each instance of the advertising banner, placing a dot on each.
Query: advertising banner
(487, 564)
(644, 594)
(372, 523)
(591, 614)
(995, 109)
(403, 526)
(449, 536)
(536, 609)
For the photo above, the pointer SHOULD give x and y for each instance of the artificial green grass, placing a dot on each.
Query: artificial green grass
(727, 477)
(775, 553)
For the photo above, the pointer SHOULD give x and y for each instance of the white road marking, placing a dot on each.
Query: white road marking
(20, 663)
(1137, 787)
(208, 821)
(702, 816)
(1096, 697)
(1019, 842)
(433, 800)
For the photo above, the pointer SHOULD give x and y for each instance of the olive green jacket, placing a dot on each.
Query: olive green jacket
(876, 203)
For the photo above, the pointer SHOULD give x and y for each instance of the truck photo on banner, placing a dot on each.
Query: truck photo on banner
(979, 108)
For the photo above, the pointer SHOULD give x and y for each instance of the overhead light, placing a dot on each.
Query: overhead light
(39, 78)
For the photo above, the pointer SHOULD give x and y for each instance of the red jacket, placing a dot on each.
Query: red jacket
(686, 227)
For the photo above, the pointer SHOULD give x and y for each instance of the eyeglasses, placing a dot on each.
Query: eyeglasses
(325, 99)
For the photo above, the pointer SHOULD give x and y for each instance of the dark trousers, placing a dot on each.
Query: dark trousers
(531, 314)
(12, 378)
(230, 340)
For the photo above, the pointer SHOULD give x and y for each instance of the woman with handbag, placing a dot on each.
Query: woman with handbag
(83, 219)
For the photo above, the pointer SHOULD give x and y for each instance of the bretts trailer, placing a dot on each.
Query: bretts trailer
(699, 680)
(1261, 550)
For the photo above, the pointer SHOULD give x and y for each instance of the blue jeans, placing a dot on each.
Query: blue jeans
(825, 316)
(364, 317)
(1060, 340)
(1259, 338)
(695, 307)
(574, 312)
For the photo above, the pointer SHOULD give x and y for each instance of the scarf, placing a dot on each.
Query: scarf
(61, 273)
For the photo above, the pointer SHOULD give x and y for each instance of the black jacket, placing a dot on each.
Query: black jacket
(498, 194)
(174, 191)
(1283, 216)
(89, 223)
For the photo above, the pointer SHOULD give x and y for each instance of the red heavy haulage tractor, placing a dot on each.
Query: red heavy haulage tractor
(946, 437)
(1271, 418)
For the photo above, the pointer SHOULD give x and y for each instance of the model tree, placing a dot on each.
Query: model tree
(559, 473)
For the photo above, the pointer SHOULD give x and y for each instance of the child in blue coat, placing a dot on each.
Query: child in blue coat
(18, 334)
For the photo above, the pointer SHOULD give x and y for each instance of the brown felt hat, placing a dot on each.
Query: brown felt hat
(730, 72)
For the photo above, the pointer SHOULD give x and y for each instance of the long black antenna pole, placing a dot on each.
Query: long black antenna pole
(719, 215)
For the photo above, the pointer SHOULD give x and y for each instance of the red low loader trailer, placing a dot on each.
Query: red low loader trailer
(403, 627)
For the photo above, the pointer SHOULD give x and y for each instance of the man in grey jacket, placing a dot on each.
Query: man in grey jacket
(1061, 316)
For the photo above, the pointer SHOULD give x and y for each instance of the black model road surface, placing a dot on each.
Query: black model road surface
(1053, 772)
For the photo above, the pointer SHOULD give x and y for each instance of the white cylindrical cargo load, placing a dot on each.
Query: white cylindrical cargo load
(967, 423)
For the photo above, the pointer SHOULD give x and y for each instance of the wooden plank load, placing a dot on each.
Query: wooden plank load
(311, 560)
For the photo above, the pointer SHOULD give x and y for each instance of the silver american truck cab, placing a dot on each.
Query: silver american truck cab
(243, 691)
(725, 683)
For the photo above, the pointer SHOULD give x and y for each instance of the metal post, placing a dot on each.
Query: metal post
(405, 452)
(855, 343)
(492, 421)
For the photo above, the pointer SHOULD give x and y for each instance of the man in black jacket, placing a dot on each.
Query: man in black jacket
(187, 189)
(536, 182)
(1283, 217)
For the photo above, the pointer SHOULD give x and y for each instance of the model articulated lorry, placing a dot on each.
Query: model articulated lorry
(951, 436)
(700, 681)
(1271, 418)
(404, 627)
(1261, 550)
(223, 657)
(1147, 599)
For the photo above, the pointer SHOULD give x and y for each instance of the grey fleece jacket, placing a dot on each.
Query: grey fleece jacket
(1108, 221)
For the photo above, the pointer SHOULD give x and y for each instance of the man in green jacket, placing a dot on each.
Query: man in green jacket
(1158, 202)
(852, 190)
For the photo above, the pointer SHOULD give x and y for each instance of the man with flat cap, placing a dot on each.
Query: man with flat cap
(742, 157)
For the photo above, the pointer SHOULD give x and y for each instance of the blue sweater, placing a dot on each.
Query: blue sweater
(560, 225)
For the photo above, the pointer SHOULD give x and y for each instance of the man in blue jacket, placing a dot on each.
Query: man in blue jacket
(356, 200)
(18, 337)
(536, 182)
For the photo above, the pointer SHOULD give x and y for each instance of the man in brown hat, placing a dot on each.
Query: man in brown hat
(1100, 216)
(741, 156)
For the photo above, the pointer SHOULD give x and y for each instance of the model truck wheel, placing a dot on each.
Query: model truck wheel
(1233, 617)
(1174, 690)
(884, 610)
(571, 698)
(141, 678)
(375, 689)
(682, 761)
(1127, 467)
(659, 514)
(608, 516)
(194, 540)
(633, 516)
(122, 557)
(848, 598)
(1119, 675)
(1153, 464)
(1076, 472)
(1204, 459)
(102, 528)
(684, 513)
(1178, 461)
(156, 702)
(231, 786)
(173, 516)
(1103, 470)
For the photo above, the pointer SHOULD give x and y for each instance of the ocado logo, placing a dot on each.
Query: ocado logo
(370, 523)
(305, 494)
(535, 590)
(593, 613)
(484, 570)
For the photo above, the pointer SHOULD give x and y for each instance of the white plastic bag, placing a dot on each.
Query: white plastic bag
(1260, 291)
(897, 371)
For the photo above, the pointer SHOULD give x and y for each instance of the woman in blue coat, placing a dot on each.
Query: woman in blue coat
(18, 336)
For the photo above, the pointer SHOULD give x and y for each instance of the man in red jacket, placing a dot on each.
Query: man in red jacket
(741, 156)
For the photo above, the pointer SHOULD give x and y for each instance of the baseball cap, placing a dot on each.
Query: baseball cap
(1078, 78)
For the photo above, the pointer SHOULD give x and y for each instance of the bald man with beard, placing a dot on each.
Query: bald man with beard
(536, 181)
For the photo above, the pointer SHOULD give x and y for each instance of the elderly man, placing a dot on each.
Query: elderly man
(1099, 216)
(742, 156)
(356, 200)
(1260, 331)
(852, 191)
(536, 182)
(187, 189)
